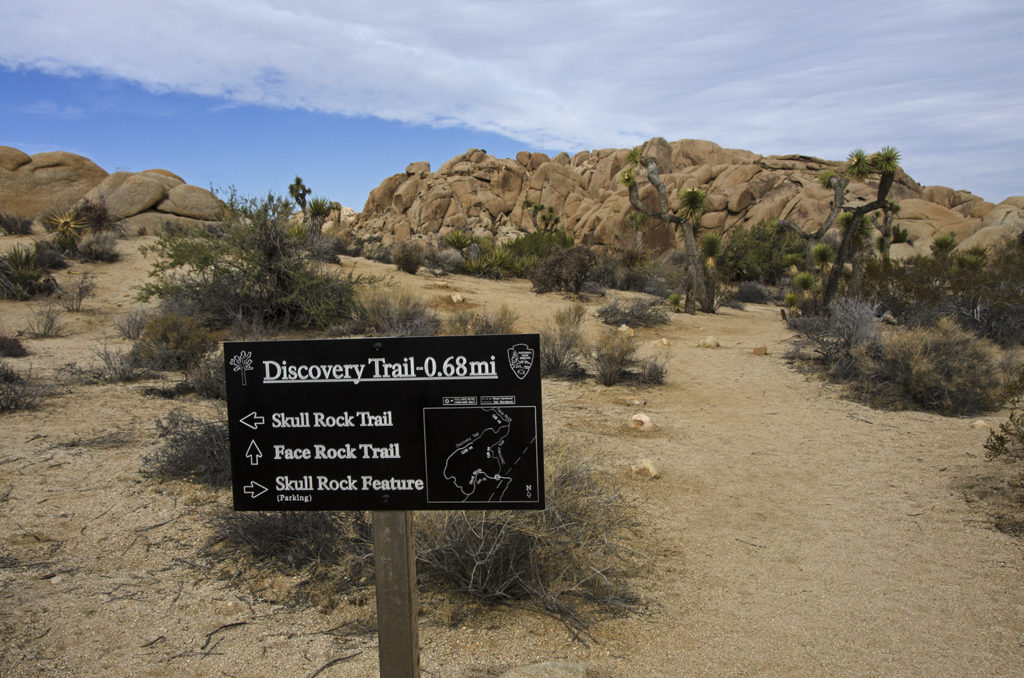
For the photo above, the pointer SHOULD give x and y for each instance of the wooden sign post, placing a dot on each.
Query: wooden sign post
(390, 426)
(394, 554)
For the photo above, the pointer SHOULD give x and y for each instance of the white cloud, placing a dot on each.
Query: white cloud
(772, 77)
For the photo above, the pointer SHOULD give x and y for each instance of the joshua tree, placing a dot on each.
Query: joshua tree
(546, 213)
(687, 220)
(299, 191)
(859, 166)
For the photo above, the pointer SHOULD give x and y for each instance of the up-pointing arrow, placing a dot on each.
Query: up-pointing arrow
(254, 453)
(254, 489)
(252, 420)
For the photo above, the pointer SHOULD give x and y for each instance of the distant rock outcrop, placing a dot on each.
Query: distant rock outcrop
(30, 186)
(484, 194)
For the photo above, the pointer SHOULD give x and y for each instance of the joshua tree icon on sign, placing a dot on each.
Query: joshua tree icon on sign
(242, 363)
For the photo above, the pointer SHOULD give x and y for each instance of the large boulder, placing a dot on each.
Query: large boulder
(1005, 220)
(33, 185)
(191, 201)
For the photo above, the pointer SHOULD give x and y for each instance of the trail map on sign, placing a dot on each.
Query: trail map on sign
(484, 466)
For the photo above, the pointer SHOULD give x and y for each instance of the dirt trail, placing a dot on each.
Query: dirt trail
(792, 532)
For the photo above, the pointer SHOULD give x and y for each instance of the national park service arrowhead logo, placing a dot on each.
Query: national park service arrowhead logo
(520, 359)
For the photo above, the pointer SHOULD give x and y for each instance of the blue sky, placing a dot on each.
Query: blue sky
(345, 94)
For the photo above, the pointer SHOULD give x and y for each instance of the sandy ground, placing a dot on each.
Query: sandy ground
(792, 532)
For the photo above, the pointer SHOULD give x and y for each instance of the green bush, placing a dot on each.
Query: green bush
(981, 291)
(564, 271)
(247, 269)
(21, 276)
(408, 256)
(171, 342)
(761, 254)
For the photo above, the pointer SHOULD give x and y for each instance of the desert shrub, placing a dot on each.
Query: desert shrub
(639, 312)
(130, 325)
(393, 312)
(539, 244)
(14, 225)
(839, 339)
(470, 322)
(750, 292)
(193, 449)
(11, 347)
(171, 342)
(565, 270)
(443, 260)
(628, 272)
(49, 256)
(329, 552)
(942, 369)
(17, 391)
(572, 559)
(248, 267)
(652, 370)
(101, 246)
(112, 367)
(611, 356)
(561, 343)
(46, 322)
(982, 291)
(75, 295)
(206, 377)
(408, 256)
(761, 254)
(1008, 442)
(95, 217)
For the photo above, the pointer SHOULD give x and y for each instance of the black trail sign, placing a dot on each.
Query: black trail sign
(404, 424)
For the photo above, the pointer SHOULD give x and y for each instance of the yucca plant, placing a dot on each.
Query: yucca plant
(67, 229)
(823, 255)
(457, 239)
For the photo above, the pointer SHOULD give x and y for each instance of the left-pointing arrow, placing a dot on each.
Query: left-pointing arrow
(252, 420)
(254, 489)
(254, 453)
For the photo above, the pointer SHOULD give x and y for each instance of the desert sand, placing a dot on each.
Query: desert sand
(792, 531)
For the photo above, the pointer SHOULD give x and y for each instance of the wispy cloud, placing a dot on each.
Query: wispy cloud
(773, 77)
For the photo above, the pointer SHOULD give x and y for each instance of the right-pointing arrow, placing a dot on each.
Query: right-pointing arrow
(254, 489)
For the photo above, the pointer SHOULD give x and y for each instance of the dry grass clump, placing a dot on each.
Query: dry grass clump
(113, 367)
(393, 312)
(206, 377)
(572, 559)
(612, 355)
(638, 313)
(561, 343)
(75, 295)
(502, 321)
(15, 225)
(193, 449)
(130, 325)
